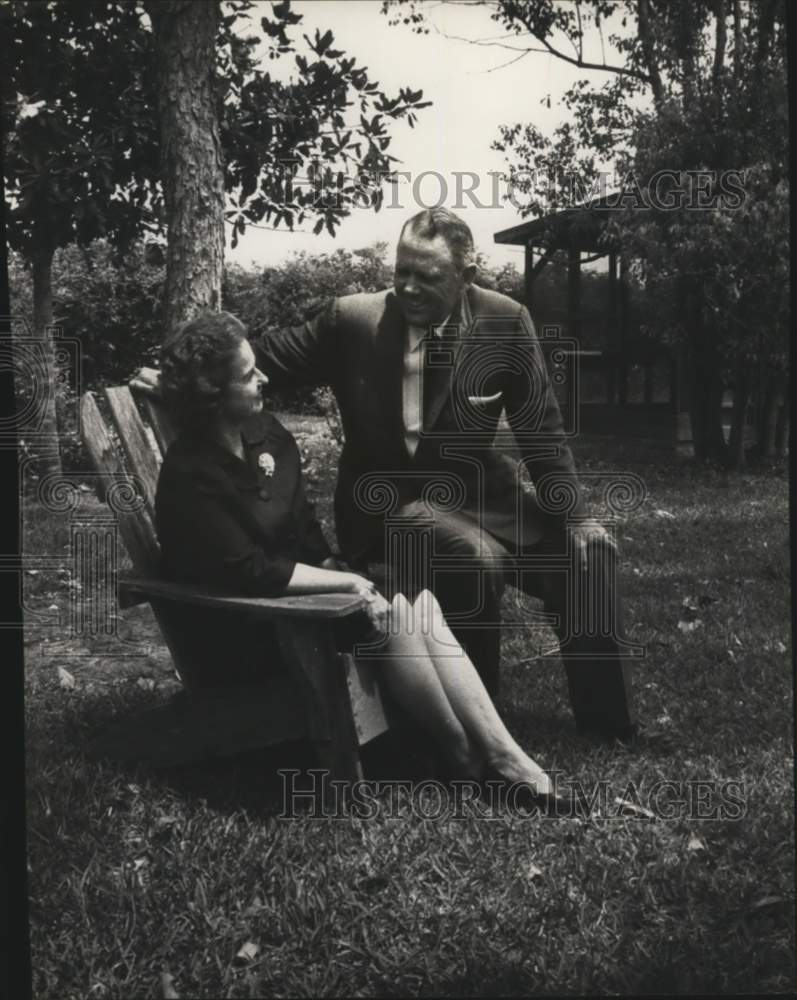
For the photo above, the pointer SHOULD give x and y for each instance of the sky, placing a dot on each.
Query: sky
(473, 91)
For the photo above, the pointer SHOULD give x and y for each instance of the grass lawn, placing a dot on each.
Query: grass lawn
(151, 883)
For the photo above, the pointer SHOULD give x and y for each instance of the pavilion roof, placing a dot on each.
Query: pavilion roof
(580, 227)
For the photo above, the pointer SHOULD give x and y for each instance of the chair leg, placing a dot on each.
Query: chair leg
(309, 650)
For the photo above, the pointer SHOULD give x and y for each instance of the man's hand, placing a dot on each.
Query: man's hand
(583, 531)
(147, 381)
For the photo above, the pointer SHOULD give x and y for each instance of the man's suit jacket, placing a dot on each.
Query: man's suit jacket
(488, 360)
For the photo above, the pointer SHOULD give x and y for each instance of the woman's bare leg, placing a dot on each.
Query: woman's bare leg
(470, 700)
(413, 681)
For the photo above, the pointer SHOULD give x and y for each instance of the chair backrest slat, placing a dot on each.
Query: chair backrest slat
(142, 458)
(135, 525)
(161, 423)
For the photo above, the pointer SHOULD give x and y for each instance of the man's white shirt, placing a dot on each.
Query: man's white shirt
(414, 354)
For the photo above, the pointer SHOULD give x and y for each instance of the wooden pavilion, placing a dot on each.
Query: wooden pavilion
(628, 383)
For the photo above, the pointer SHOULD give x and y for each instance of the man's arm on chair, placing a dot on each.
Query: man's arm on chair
(298, 355)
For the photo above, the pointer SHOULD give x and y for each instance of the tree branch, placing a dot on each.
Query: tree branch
(583, 64)
(720, 11)
(738, 40)
(766, 23)
(648, 52)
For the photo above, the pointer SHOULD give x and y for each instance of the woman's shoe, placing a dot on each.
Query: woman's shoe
(521, 796)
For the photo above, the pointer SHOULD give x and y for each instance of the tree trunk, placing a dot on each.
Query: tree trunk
(191, 158)
(741, 396)
(769, 416)
(705, 410)
(782, 425)
(39, 367)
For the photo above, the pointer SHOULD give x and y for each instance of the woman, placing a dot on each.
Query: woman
(231, 511)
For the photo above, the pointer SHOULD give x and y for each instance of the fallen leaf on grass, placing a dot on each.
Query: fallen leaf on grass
(167, 985)
(533, 872)
(629, 808)
(690, 626)
(664, 513)
(695, 843)
(780, 647)
(65, 679)
(690, 604)
(248, 951)
(254, 907)
(766, 901)
(162, 821)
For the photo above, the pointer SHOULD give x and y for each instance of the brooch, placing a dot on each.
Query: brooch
(266, 464)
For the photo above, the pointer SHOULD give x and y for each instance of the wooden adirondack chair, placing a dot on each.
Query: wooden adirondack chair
(323, 696)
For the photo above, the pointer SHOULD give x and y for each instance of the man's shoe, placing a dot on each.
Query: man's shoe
(610, 734)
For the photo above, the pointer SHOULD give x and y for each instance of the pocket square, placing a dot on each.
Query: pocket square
(484, 400)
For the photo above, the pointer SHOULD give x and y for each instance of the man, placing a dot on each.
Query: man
(421, 373)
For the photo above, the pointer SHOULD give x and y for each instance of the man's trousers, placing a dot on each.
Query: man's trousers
(467, 568)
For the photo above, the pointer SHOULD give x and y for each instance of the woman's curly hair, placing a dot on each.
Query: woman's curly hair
(195, 362)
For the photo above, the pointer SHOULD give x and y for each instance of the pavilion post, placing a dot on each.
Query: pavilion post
(612, 333)
(528, 276)
(574, 292)
(623, 330)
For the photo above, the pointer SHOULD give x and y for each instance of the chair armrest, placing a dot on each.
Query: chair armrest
(134, 590)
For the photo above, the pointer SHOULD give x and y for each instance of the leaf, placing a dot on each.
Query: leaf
(633, 808)
(689, 603)
(766, 901)
(664, 513)
(780, 647)
(167, 987)
(695, 843)
(65, 679)
(533, 872)
(690, 626)
(254, 907)
(248, 951)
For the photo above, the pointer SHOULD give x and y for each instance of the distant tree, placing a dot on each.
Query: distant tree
(111, 304)
(80, 151)
(691, 85)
